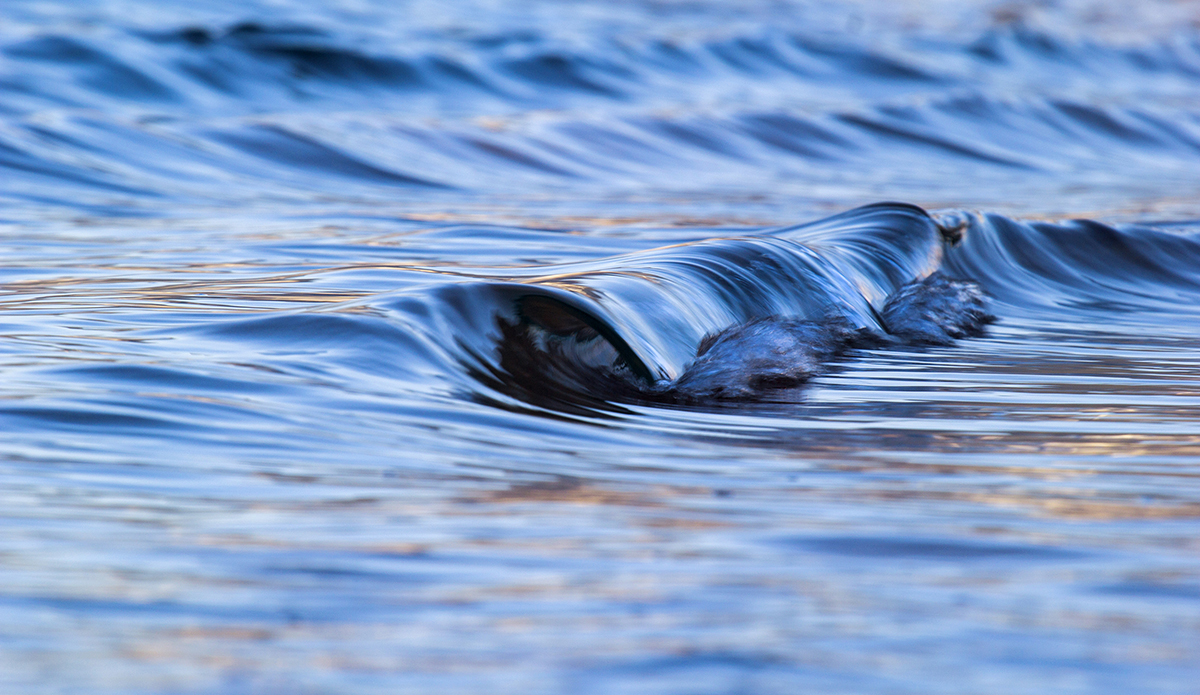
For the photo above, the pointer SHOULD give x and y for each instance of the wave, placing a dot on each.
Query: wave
(215, 111)
(584, 337)
(246, 66)
(965, 147)
(1061, 270)
(770, 309)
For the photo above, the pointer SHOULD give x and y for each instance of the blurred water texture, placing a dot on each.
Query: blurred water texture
(257, 436)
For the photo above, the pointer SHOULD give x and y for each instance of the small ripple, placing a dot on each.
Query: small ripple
(936, 549)
(914, 134)
(92, 68)
(276, 144)
(861, 61)
(568, 72)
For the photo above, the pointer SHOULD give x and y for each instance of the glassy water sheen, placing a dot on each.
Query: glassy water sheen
(331, 329)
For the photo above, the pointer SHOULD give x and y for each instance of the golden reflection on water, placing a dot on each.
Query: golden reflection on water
(1035, 491)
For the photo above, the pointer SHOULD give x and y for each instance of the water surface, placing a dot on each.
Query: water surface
(264, 430)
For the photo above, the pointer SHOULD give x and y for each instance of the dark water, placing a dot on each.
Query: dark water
(319, 321)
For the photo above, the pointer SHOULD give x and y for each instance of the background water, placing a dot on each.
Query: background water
(258, 436)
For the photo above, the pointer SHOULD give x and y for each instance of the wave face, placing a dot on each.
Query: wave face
(545, 347)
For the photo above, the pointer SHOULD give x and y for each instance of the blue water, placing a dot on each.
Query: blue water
(331, 333)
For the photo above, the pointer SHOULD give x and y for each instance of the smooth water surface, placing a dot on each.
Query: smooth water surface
(306, 307)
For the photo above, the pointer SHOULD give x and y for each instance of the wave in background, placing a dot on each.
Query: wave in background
(241, 105)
